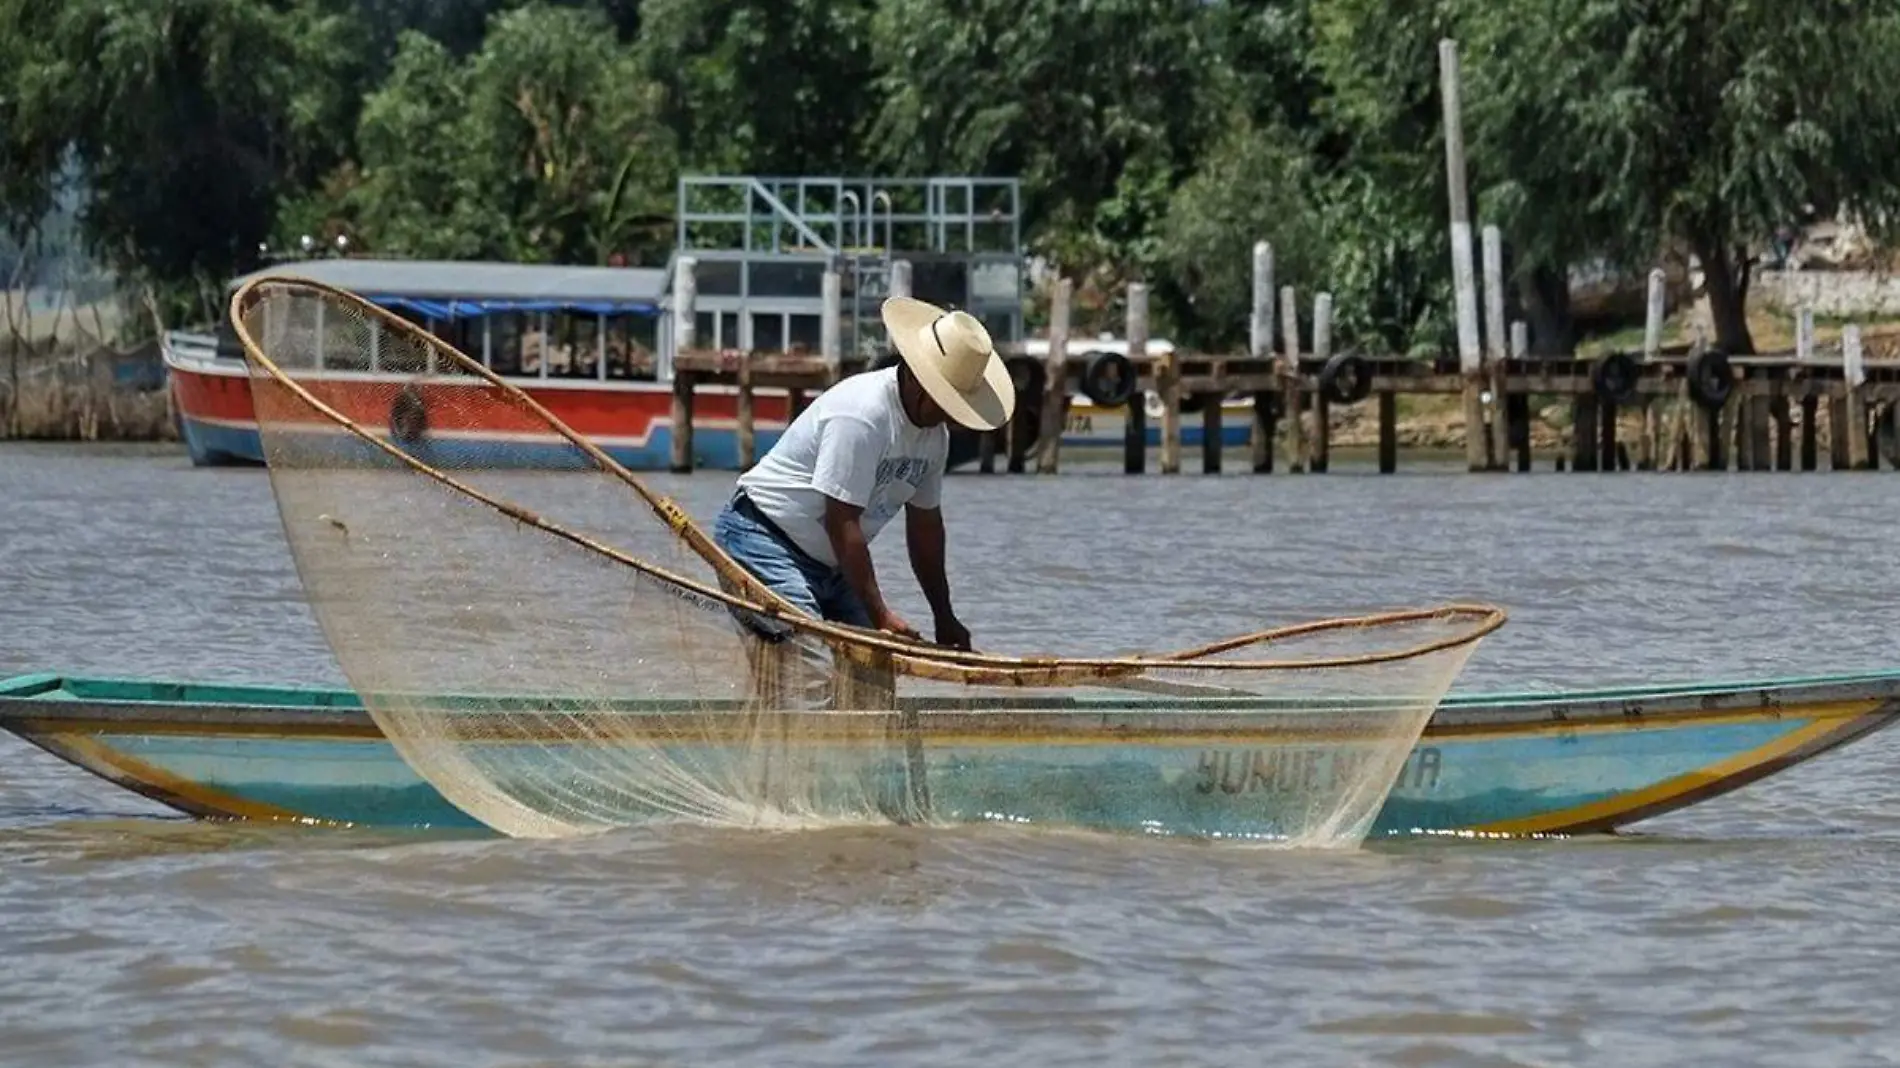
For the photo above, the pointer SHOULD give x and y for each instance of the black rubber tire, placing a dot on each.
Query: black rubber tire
(1029, 377)
(1108, 379)
(1710, 380)
(1346, 378)
(1614, 377)
(408, 417)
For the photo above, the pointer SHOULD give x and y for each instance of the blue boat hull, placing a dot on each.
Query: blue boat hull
(1487, 765)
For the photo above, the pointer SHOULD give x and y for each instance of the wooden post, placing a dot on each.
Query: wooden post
(1757, 426)
(1055, 397)
(1784, 428)
(1168, 386)
(1265, 428)
(1837, 434)
(1887, 433)
(1701, 422)
(1803, 355)
(1212, 420)
(1464, 286)
(1810, 432)
(1653, 316)
(1290, 377)
(1606, 430)
(1388, 432)
(1260, 347)
(1853, 377)
(748, 440)
(1322, 408)
(1521, 405)
(1167, 379)
(1496, 350)
(1583, 433)
(831, 324)
(1649, 448)
(685, 325)
(1722, 449)
(1135, 437)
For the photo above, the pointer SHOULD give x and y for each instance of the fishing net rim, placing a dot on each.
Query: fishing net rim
(921, 659)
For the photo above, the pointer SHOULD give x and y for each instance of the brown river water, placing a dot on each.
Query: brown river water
(1754, 930)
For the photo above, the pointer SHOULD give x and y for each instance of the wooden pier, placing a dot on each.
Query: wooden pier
(1697, 408)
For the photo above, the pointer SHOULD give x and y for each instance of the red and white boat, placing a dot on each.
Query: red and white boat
(588, 343)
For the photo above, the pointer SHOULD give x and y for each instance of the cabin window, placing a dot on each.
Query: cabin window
(704, 324)
(717, 278)
(535, 343)
(728, 330)
(465, 333)
(504, 343)
(577, 347)
(794, 279)
(632, 341)
(768, 331)
(345, 343)
(805, 334)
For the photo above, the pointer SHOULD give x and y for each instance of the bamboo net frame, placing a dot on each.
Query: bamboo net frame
(898, 655)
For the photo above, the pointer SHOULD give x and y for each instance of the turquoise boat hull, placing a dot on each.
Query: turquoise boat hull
(1501, 764)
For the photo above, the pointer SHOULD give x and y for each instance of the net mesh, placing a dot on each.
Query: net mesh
(560, 651)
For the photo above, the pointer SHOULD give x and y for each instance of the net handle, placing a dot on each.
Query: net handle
(920, 659)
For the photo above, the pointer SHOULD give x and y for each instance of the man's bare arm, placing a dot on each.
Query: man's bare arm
(846, 531)
(923, 533)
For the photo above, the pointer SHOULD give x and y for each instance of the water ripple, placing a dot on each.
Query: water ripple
(1754, 930)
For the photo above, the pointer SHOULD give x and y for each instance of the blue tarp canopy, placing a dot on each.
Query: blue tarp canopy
(474, 309)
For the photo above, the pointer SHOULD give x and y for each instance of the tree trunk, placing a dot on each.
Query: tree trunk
(1546, 296)
(1728, 298)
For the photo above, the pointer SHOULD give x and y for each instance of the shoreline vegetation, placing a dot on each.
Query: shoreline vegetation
(1714, 142)
(68, 392)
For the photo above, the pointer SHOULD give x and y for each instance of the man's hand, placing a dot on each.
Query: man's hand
(892, 623)
(952, 633)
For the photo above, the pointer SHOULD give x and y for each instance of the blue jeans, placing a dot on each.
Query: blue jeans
(813, 586)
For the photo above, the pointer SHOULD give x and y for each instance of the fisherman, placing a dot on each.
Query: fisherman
(802, 520)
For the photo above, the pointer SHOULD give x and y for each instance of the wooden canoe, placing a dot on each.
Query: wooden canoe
(1488, 764)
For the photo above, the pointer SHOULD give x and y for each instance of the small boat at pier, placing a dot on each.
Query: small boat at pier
(1487, 764)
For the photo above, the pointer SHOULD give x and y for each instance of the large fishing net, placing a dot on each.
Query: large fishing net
(560, 650)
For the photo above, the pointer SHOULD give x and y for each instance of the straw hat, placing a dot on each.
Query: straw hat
(953, 358)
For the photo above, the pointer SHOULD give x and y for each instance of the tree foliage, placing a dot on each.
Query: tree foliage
(1623, 130)
(188, 118)
(543, 146)
(1156, 139)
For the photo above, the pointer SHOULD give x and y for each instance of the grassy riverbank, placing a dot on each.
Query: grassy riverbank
(74, 396)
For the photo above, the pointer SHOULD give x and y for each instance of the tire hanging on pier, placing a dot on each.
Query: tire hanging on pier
(1614, 377)
(1710, 378)
(1346, 378)
(564, 651)
(1108, 379)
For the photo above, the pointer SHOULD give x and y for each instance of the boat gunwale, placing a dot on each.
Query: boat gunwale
(34, 703)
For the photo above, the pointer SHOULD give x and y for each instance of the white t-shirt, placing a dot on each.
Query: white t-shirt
(854, 443)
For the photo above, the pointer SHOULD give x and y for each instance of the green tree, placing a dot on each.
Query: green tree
(188, 119)
(776, 87)
(1627, 129)
(1101, 109)
(1380, 170)
(1254, 185)
(543, 146)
